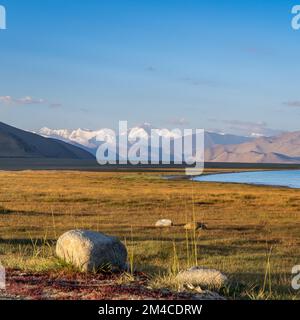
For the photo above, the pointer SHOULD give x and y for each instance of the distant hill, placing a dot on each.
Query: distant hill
(16, 143)
(211, 139)
(284, 148)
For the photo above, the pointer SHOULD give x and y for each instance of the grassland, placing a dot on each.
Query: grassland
(253, 232)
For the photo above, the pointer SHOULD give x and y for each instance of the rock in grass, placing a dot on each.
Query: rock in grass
(163, 223)
(201, 277)
(91, 251)
(195, 226)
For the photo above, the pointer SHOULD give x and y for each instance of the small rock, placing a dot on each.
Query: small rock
(163, 223)
(202, 277)
(195, 226)
(90, 251)
(165, 291)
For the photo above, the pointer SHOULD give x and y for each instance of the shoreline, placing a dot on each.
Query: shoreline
(248, 183)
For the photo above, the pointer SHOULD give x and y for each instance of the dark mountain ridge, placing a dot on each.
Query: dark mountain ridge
(16, 143)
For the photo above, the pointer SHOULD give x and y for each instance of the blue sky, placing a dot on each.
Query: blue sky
(225, 65)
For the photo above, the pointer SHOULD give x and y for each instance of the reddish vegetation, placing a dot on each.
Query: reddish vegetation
(63, 286)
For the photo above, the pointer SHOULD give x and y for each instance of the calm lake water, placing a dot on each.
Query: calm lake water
(285, 178)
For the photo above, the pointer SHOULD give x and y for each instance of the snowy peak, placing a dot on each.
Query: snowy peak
(83, 137)
(90, 140)
(62, 133)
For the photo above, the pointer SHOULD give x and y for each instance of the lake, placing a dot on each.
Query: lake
(284, 178)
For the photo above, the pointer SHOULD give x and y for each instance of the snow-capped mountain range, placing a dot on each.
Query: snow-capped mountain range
(219, 147)
(91, 139)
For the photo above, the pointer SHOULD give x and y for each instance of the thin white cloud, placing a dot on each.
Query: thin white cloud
(27, 100)
(9, 100)
(248, 128)
(200, 82)
(179, 122)
(294, 104)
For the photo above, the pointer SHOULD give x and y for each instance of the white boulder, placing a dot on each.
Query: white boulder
(91, 251)
(163, 223)
(202, 277)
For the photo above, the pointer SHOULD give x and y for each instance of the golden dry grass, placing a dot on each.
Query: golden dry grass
(245, 223)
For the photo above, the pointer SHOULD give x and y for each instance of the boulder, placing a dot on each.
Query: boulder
(163, 223)
(2, 277)
(201, 277)
(195, 226)
(91, 251)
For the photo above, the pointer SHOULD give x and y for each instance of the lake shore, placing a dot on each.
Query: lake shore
(244, 224)
(274, 178)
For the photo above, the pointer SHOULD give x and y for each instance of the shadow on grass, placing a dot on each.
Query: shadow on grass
(254, 286)
(5, 211)
(37, 241)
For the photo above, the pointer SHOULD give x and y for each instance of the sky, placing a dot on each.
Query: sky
(225, 65)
